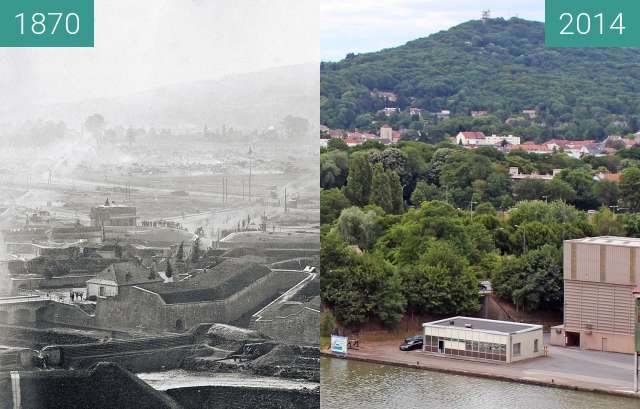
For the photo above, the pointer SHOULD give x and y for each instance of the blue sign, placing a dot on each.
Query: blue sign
(339, 344)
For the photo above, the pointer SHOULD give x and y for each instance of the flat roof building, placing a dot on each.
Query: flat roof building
(483, 339)
(111, 214)
(600, 274)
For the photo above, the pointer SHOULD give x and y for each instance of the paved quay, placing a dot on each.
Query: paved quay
(569, 368)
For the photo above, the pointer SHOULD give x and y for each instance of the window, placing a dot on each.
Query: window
(101, 292)
(535, 345)
(516, 349)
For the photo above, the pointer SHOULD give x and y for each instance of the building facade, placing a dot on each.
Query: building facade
(482, 339)
(600, 274)
(111, 214)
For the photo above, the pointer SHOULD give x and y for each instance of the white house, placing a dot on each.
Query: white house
(107, 282)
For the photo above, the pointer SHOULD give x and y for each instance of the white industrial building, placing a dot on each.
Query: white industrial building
(482, 339)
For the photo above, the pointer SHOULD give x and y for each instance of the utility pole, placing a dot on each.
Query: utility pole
(285, 199)
(471, 203)
(250, 170)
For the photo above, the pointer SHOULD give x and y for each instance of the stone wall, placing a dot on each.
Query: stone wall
(106, 386)
(59, 313)
(300, 328)
(229, 397)
(266, 289)
(72, 280)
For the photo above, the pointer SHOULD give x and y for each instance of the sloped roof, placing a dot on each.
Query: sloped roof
(127, 273)
(218, 283)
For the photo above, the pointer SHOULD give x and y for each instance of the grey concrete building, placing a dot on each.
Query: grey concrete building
(600, 274)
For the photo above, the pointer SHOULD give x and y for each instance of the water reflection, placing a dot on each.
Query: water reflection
(350, 384)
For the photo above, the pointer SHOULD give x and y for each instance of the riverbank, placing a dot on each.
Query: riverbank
(589, 371)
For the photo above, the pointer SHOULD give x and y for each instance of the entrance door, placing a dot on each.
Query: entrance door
(572, 339)
(440, 346)
(604, 345)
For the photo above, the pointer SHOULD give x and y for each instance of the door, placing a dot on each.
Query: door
(604, 345)
(440, 346)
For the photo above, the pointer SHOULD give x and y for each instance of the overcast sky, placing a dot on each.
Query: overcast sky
(143, 44)
(371, 25)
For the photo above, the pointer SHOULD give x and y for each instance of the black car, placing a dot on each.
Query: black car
(411, 343)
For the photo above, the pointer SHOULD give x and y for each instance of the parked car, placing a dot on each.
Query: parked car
(411, 343)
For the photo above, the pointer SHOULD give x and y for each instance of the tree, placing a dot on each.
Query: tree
(180, 253)
(357, 227)
(359, 180)
(441, 283)
(529, 189)
(169, 270)
(425, 192)
(630, 188)
(606, 192)
(395, 188)
(337, 144)
(606, 223)
(558, 189)
(332, 202)
(327, 323)
(533, 281)
(195, 251)
(381, 189)
(371, 289)
(95, 124)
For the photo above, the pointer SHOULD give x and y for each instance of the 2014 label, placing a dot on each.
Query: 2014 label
(582, 24)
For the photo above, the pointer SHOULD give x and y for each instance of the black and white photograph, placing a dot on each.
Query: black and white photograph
(160, 211)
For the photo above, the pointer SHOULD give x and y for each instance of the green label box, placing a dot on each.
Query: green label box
(46, 23)
(592, 23)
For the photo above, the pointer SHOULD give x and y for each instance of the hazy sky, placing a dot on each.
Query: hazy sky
(142, 44)
(370, 25)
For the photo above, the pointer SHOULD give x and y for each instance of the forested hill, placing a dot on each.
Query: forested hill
(501, 66)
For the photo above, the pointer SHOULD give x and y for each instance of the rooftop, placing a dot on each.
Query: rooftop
(218, 283)
(608, 240)
(480, 324)
(126, 273)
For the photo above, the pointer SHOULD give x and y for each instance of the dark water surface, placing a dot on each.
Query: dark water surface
(351, 385)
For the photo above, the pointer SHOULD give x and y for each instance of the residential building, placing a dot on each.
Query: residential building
(483, 339)
(470, 138)
(111, 214)
(531, 113)
(476, 114)
(480, 139)
(110, 281)
(600, 274)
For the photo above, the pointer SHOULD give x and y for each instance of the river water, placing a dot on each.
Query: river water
(350, 384)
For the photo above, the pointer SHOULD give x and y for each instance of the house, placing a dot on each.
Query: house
(444, 114)
(530, 147)
(612, 177)
(386, 95)
(415, 111)
(388, 111)
(480, 139)
(470, 138)
(110, 281)
(514, 173)
(531, 113)
(476, 114)
(111, 214)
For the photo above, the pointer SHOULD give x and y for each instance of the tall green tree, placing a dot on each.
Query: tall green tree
(359, 180)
